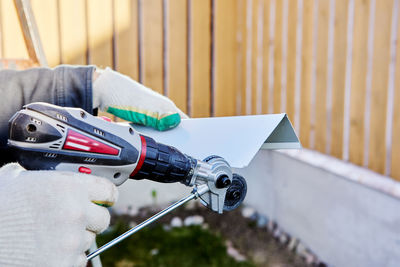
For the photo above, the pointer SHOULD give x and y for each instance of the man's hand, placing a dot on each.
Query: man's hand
(49, 218)
(127, 99)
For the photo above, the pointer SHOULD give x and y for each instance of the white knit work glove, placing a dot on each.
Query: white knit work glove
(129, 100)
(48, 218)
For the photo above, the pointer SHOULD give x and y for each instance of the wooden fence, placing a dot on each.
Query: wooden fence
(332, 65)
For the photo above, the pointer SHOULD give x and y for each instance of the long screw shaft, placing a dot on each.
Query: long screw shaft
(130, 232)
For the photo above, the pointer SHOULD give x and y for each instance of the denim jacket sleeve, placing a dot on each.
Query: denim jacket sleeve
(64, 85)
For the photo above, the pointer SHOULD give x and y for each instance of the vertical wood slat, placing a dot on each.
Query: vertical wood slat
(395, 161)
(73, 34)
(266, 55)
(284, 36)
(152, 44)
(299, 71)
(306, 79)
(126, 37)
(242, 55)
(338, 77)
(358, 82)
(47, 23)
(177, 52)
(391, 87)
(225, 57)
(200, 67)
(381, 59)
(99, 35)
(259, 59)
(254, 54)
(1, 30)
(291, 59)
(321, 75)
(258, 42)
(253, 66)
(126, 51)
(13, 41)
(278, 56)
(100, 32)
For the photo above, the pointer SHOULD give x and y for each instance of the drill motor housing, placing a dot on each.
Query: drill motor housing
(48, 137)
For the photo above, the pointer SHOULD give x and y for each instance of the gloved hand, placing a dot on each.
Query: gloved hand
(129, 100)
(48, 218)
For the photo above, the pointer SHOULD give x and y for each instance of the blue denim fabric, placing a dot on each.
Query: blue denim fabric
(69, 86)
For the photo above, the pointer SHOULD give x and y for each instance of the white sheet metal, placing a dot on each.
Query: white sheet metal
(237, 139)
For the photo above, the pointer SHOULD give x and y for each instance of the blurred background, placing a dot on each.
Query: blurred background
(332, 65)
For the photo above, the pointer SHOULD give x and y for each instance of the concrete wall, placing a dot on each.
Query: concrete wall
(315, 198)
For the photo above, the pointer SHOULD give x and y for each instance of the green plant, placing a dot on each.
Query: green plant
(178, 247)
(154, 196)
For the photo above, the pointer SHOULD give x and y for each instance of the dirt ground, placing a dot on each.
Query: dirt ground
(255, 243)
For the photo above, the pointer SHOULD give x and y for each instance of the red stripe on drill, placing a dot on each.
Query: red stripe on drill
(142, 157)
(80, 142)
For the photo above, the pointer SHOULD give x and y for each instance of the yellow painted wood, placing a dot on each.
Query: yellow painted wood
(225, 87)
(126, 37)
(152, 50)
(177, 52)
(200, 58)
(100, 32)
(13, 45)
(73, 34)
(338, 77)
(358, 81)
(395, 164)
(306, 72)
(47, 23)
(291, 59)
(266, 47)
(321, 75)
(381, 59)
(278, 56)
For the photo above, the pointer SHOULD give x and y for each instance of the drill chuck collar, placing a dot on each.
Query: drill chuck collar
(162, 163)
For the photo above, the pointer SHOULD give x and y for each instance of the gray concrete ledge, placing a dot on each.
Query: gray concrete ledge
(346, 170)
(319, 200)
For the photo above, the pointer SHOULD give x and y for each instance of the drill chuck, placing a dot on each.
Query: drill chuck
(162, 163)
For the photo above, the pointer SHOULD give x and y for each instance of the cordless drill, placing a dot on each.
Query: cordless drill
(49, 137)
